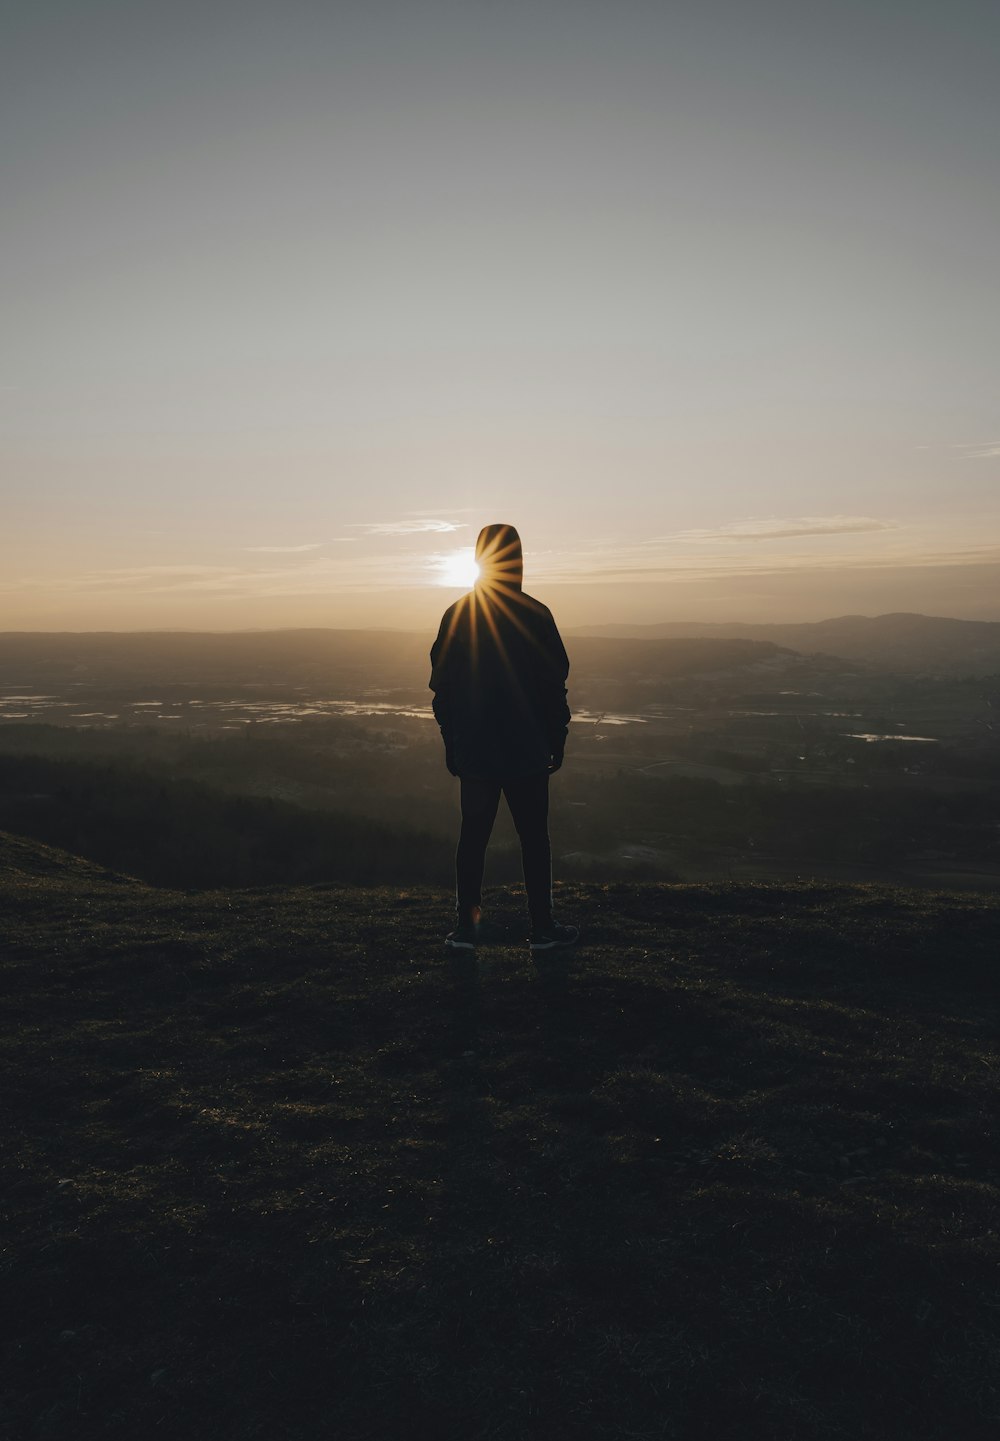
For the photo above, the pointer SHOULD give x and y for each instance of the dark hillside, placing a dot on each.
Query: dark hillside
(277, 1168)
(174, 831)
(207, 658)
(343, 662)
(897, 642)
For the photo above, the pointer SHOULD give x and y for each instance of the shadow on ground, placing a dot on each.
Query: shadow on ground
(283, 1168)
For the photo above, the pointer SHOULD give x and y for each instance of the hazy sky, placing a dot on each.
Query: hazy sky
(703, 297)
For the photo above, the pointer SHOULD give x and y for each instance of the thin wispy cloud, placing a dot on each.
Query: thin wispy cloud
(314, 575)
(798, 545)
(283, 549)
(154, 579)
(786, 528)
(455, 510)
(639, 563)
(411, 527)
(980, 449)
(598, 563)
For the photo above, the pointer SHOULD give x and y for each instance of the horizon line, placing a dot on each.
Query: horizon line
(570, 630)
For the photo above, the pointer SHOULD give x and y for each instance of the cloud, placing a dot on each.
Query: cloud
(283, 549)
(317, 575)
(454, 509)
(411, 527)
(808, 525)
(782, 529)
(628, 563)
(154, 579)
(980, 449)
(692, 556)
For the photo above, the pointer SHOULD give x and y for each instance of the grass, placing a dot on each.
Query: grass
(277, 1167)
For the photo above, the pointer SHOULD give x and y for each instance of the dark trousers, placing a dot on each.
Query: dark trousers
(528, 798)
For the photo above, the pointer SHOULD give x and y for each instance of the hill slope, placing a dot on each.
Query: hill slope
(284, 1170)
(902, 642)
(345, 662)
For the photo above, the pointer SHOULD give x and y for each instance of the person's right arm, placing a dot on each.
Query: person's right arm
(440, 684)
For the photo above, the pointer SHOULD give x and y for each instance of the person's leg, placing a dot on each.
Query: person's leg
(480, 799)
(528, 798)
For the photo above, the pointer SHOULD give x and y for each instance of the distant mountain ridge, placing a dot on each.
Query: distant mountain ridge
(900, 641)
(904, 642)
(346, 661)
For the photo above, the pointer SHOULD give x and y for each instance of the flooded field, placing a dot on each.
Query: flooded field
(711, 785)
(228, 713)
(872, 738)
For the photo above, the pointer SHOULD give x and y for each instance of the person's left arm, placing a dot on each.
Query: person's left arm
(553, 677)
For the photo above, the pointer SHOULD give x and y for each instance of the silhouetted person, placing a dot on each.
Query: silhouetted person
(499, 680)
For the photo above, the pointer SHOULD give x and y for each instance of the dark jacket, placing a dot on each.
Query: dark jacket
(498, 675)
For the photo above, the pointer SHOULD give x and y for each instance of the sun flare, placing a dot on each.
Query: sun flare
(458, 570)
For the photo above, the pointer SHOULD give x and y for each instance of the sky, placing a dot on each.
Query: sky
(703, 298)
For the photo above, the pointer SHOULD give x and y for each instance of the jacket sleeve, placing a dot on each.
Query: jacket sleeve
(440, 683)
(555, 672)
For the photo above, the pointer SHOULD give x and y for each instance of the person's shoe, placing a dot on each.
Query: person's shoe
(462, 938)
(553, 938)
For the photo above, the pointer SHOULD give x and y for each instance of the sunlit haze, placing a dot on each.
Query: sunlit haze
(458, 570)
(702, 298)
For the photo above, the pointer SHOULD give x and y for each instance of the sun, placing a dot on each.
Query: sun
(458, 570)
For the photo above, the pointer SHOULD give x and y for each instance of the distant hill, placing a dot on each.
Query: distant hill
(215, 658)
(344, 662)
(666, 656)
(899, 642)
(730, 1170)
(350, 661)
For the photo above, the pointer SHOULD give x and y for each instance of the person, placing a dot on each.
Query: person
(498, 673)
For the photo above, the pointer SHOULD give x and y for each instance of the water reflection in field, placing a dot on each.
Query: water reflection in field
(232, 712)
(871, 737)
(229, 712)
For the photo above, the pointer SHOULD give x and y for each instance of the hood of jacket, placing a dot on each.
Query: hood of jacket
(499, 557)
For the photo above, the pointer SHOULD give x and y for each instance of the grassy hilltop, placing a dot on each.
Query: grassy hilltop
(279, 1168)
